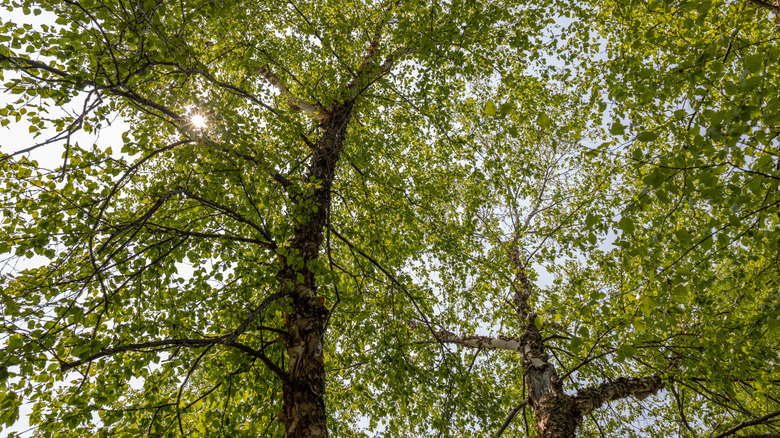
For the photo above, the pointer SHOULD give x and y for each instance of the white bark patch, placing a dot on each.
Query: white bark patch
(483, 342)
(535, 361)
(304, 291)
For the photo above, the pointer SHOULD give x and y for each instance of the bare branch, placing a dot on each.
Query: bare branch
(511, 417)
(744, 424)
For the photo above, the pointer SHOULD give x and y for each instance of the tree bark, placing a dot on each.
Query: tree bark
(557, 414)
(303, 393)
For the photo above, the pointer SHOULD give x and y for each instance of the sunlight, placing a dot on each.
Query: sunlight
(198, 121)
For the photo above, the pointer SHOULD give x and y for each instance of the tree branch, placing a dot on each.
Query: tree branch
(135, 97)
(232, 213)
(260, 355)
(484, 342)
(31, 64)
(296, 104)
(370, 73)
(765, 5)
(169, 343)
(511, 417)
(248, 320)
(592, 398)
(184, 233)
(236, 90)
(760, 435)
(390, 276)
(745, 424)
(66, 366)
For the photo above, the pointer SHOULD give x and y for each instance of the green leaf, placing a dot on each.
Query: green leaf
(506, 108)
(627, 351)
(753, 63)
(656, 178)
(646, 136)
(627, 225)
(490, 109)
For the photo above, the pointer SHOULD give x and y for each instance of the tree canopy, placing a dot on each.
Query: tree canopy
(404, 218)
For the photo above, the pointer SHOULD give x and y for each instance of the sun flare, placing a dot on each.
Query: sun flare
(198, 121)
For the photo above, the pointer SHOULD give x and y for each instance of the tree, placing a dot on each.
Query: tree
(312, 198)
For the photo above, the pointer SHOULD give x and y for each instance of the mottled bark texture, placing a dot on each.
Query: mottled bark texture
(304, 403)
(557, 414)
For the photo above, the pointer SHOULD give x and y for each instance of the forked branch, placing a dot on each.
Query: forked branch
(295, 103)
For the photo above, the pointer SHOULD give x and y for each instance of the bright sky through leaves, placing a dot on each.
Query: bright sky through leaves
(366, 192)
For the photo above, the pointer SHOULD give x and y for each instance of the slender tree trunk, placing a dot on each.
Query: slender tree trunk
(557, 414)
(303, 392)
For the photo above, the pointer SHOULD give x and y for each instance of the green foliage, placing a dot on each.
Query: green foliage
(695, 269)
(632, 157)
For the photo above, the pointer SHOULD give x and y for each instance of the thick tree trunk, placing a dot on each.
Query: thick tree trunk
(303, 392)
(555, 417)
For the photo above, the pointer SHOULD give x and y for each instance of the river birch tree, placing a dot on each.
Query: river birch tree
(401, 218)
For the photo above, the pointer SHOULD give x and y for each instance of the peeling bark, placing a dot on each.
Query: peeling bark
(592, 398)
(553, 409)
(304, 403)
(483, 342)
(557, 414)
